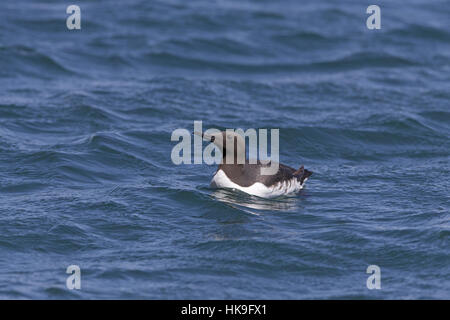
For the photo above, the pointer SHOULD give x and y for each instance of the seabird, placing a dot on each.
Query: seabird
(247, 177)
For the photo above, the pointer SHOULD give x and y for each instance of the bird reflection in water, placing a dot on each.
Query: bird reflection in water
(243, 201)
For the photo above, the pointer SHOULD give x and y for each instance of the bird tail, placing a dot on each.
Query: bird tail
(302, 174)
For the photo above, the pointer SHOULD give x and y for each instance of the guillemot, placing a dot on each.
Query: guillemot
(247, 176)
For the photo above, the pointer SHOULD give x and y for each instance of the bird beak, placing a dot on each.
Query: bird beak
(206, 137)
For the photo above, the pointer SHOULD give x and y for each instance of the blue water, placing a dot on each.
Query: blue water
(86, 176)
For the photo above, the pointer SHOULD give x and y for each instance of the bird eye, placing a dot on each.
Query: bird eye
(213, 138)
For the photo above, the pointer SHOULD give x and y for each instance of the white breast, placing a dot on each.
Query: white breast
(220, 180)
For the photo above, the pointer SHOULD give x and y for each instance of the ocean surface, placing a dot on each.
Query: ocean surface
(86, 176)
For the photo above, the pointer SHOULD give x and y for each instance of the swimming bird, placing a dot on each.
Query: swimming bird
(247, 176)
